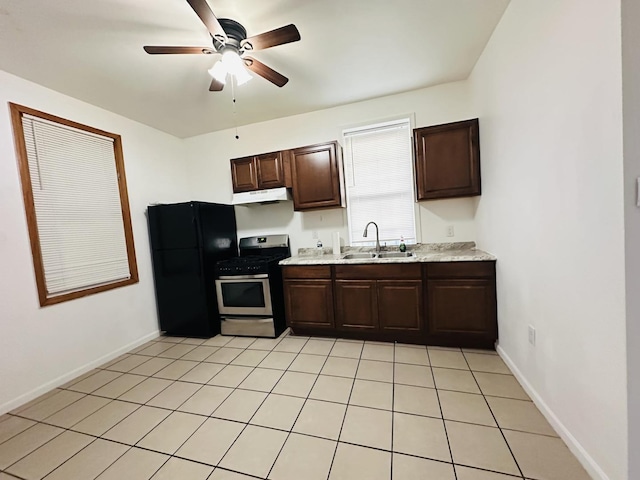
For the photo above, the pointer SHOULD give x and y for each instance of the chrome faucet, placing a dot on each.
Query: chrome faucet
(377, 235)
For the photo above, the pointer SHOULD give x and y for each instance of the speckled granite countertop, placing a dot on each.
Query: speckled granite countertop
(430, 252)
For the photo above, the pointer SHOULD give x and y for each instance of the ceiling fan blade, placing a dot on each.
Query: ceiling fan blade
(276, 37)
(174, 50)
(202, 9)
(216, 86)
(269, 73)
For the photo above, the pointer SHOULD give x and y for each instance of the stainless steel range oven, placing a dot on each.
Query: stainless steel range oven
(249, 288)
(244, 294)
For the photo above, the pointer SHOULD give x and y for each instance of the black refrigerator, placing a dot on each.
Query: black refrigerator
(187, 239)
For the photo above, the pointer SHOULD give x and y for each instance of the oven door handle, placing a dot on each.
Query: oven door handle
(242, 277)
(245, 319)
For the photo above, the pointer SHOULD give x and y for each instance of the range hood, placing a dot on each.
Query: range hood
(270, 195)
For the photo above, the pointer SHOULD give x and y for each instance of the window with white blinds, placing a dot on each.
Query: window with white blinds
(76, 205)
(379, 180)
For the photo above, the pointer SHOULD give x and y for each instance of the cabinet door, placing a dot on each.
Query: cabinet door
(315, 174)
(270, 170)
(309, 303)
(447, 160)
(244, 174)
(462, 306)
(356, 305)
(400, 305)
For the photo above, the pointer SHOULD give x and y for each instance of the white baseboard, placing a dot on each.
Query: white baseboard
(576, 448)
(42, 389)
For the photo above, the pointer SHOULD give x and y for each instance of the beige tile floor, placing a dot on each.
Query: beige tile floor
(286, 409)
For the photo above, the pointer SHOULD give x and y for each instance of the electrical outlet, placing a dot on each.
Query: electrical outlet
(532, 335)
(450, 231)
(314, 234)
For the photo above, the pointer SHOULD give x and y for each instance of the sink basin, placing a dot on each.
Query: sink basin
(370, 255)
(395, 254)
(354, 256)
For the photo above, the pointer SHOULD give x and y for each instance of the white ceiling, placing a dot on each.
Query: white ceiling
(351, 50)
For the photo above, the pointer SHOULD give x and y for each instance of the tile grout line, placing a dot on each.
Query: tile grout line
(173, 381)
(210, 416)
(100, 437)
(393, 400)
(35, 449)
(64, 430)
(346, 409)
(95, 439)
(495, 420)
(301, 408)
(174, 410)
(444, 424)
(87, 446)
(259, 406)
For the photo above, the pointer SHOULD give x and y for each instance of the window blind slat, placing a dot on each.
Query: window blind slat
(78, 209)
(379, 179)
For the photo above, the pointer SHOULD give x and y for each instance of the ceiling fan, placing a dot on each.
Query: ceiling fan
(230, 40)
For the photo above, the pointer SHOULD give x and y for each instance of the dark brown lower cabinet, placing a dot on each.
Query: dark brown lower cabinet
(461, 299)
(308, 296)
(451, 304)
(400, 305)
(356, 305)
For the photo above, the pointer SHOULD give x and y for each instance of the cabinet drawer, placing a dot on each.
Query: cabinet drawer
(307, 271)
(461, 269)
(380, 271)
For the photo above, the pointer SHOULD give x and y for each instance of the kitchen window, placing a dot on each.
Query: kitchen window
(379, 181)
(76, 203)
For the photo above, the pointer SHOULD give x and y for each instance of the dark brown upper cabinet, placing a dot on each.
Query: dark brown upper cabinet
(447, 160)
(244, 174)
(316, 176)
(258, 172)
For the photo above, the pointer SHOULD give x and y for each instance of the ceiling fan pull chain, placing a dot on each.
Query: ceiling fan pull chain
(235, 113)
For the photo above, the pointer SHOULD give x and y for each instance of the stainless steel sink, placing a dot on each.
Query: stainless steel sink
(395, 254)
(371, 255)
(354, 256)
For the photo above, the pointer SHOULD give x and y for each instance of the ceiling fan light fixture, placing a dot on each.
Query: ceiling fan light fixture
(219, 72)
(242, 76)
(231, 63)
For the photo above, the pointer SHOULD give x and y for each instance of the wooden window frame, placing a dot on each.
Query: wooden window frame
(17, 112)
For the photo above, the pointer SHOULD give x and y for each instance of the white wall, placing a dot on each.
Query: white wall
(210, 177)
(548, 94)
(631, 116)
(42, 347)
